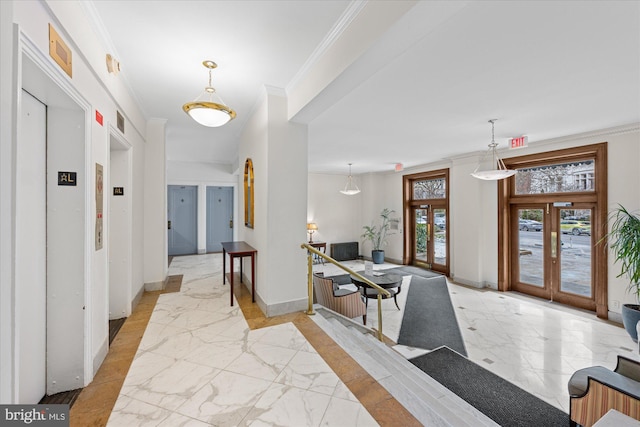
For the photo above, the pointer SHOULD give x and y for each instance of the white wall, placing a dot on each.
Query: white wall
(286, 210)
(7, 207)
(278, 150)
(470, 226)
(253, 145)
(337, 215)
(155, 206)
(624, 189)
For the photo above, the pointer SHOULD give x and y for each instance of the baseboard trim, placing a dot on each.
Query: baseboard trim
(286, 307)
(154, 286)
(136, 300)
(615, 317)
(100, 356)
(471, 283)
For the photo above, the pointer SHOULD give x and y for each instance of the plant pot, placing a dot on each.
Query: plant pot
(377, 257)
(630, 318)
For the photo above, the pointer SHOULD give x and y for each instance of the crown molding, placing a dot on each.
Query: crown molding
(616, 130)
(352, 11)
(105, 39)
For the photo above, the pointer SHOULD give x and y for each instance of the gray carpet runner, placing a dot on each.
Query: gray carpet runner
(429, 320)
(503, 402)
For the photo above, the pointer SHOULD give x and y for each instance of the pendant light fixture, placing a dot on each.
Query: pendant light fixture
(351, 188)
(500, 171)
(207, 112)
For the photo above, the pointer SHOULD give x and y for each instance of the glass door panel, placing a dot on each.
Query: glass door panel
(553, 252)
(421, 225)
(440, 236)
(531, 246)
(576, 247)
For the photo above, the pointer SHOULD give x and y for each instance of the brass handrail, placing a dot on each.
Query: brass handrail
(381, 291)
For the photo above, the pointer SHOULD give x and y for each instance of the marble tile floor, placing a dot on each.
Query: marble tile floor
(201, 362)
(532, 343)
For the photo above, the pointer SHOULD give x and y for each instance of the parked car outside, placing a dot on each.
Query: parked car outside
(575, 227)
(529, 225)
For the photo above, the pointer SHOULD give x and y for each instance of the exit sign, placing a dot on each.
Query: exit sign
(518, 142)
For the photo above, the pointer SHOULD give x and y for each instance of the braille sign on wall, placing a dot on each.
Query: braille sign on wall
(118, 191)
(120, 121)
(67, 178)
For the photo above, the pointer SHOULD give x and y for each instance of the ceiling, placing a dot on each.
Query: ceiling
(421, 89)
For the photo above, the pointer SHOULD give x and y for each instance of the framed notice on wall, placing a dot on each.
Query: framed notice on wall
(99, 204)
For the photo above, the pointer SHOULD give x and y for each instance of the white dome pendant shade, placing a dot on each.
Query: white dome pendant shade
(501, 171)
(209, 113)
(350, 188)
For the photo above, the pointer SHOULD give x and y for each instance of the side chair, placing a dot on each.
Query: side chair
(343, 300)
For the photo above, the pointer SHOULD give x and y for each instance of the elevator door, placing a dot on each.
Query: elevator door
(31, 255)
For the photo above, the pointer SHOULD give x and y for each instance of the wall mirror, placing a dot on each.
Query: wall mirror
(248, 193)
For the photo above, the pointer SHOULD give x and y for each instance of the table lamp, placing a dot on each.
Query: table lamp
(311, 228)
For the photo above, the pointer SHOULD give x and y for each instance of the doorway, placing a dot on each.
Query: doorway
(426, 216)
(219, 217)
(31, 244)
(120, 227)
(182, 216)
(551, 216)
(52, 234)
(429, 249)
(553, 252)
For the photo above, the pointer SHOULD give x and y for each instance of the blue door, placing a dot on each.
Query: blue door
(182, 204)
(219, 217)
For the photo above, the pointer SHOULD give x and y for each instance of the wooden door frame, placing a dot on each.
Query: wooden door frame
(409, 203)
(506, 193)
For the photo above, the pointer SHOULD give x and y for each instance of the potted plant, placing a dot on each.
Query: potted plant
(378, 235)
(624, 241)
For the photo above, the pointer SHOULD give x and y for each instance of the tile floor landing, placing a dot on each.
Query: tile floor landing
(201, 362)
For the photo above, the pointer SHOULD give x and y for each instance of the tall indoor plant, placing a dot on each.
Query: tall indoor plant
(624, 241)
(378, 235)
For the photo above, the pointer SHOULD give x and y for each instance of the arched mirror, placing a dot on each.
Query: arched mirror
(248, 193)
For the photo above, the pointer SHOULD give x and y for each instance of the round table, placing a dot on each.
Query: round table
(390, 282)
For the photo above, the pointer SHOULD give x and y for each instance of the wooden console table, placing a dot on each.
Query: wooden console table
(239, 250)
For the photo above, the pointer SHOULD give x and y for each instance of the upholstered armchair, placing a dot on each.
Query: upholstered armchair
(594, 391)
(342, 300)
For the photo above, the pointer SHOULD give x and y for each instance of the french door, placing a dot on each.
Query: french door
(426, 216)
(551, 216)
(552, 253)
(429, 248)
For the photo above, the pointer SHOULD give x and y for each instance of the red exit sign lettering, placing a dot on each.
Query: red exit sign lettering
(518, 142)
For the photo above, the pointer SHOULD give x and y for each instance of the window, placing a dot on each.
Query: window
(556, 178)
(430, 189)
